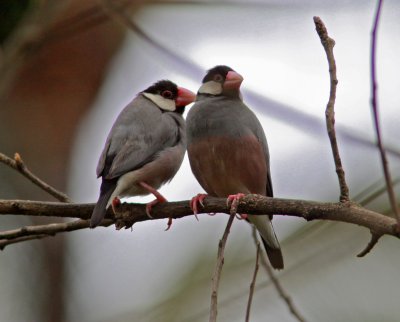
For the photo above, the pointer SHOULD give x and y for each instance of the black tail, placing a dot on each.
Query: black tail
(99, 211)
(274, 255)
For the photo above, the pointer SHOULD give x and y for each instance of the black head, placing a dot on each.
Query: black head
(165, 88)
(168, 96)
(221, 81)
(218, 74)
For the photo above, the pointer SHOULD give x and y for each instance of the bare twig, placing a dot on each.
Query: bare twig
(253, 281)
(328, 44)
(20, 166)
(218, 269)
(40, 231)
(6, 242)
(277, 284)
(374, 105)
(371, 244)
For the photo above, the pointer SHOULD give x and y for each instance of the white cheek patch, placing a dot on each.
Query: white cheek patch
(163, 103)
(211, 87)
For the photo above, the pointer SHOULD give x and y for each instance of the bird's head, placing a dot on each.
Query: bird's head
(168, 96)
(221, 80)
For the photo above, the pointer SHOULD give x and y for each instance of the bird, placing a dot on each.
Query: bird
(144, 148)
(228, 151)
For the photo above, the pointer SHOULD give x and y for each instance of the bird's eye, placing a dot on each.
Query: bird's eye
(167, 94)
(218, 78)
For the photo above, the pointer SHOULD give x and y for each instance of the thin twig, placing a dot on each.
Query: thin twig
(277, 284)
(374, 106)
(371, 244)
(328, 44)
(218, 269)
(40, 231)
(253, 283)
(20, 166)
(6, 242)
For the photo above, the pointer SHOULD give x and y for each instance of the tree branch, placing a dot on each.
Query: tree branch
(374, 105)
(218, 269)
(128, 214)
(371, 244)
(18, 165)
(253, 281)
(328, 44)
(40, 231)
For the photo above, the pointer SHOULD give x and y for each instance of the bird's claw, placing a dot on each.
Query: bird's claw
(233, 201)
(115, 204)
(195, 201)
(169, 224)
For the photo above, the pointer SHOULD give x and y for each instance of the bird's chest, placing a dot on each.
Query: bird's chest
(227, 164)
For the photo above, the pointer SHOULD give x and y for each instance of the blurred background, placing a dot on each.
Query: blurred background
(67, 68)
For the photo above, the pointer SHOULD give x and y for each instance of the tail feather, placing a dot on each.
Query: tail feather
(271, 243)
(100, 209)
(274, 255)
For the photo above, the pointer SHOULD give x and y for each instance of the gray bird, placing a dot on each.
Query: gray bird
(144, 148)
(228, 150)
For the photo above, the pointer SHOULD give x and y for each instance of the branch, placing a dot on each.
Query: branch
(18, 165)
(128, 214)
(371, 244)
(374, 105)
(328, 44)
(41, 231)
(218, 269)
(253, 281)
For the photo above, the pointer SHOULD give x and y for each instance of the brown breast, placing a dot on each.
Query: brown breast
(227, 165)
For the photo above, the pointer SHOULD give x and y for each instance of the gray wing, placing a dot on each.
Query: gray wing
(256, 127)
(139, 133)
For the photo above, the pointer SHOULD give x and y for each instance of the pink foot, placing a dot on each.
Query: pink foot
(195, 202)
(151, 204)
(159, 199)
(115, 204)
(233, 201)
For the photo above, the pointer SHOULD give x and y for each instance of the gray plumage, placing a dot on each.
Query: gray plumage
(146, 144)
(228, 153)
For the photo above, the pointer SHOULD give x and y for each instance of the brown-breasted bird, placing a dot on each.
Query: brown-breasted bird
(228, 150)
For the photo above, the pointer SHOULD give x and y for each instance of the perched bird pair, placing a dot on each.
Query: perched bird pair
(226, 144)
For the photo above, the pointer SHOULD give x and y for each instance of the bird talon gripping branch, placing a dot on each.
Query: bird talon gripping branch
(195, 201)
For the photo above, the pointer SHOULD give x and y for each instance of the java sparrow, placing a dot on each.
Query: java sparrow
(144, 148)
(228, 151)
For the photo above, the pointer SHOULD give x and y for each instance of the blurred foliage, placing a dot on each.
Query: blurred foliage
(11, 12)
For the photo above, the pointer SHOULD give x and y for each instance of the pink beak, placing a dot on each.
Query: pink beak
(233, 80)
(185, 97)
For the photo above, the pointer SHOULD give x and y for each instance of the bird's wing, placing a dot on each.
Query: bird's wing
(138, 135)
(254, 125)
